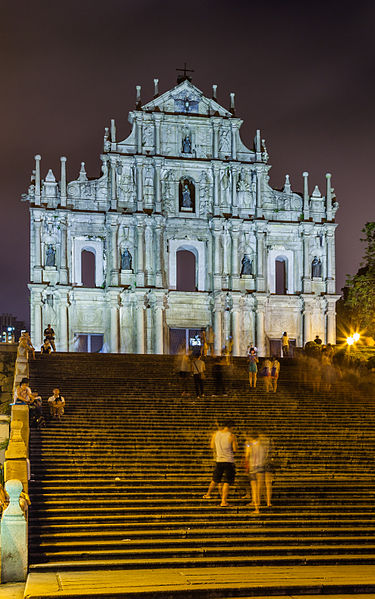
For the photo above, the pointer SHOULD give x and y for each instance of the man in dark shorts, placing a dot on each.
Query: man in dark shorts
(224, 443)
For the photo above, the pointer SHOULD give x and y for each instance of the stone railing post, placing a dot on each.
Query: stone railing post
(13, 536)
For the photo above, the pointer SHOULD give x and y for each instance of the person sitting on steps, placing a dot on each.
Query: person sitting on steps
(56, 404)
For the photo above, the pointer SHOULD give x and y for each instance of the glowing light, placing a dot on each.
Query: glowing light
(356, 336)
(350, 340)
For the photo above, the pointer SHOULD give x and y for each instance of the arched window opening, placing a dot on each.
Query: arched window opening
(186, 269)
(88, 268)
(280, 275)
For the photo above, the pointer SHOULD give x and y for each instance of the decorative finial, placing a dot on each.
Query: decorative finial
(156, 88)
(287, 185)
(265, 155)
(138, 102)
(113, 131)
(214, 92)
(82, 173)
(232, 106)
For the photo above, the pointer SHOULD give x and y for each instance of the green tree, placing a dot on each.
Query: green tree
(360, 300)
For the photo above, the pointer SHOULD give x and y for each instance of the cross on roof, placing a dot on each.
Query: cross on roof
(182, 77)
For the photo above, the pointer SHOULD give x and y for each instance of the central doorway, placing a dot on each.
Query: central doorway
(90, 342)
(187, 338)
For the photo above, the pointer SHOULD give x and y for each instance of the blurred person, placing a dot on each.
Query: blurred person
(224, 444)
(258, 464)
(35, 410)
(184, 370)
(218, 376)
(253, 368)
(275, 371)
(266, 372)
(317, 340)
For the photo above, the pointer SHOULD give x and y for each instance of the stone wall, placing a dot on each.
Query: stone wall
(8, 354)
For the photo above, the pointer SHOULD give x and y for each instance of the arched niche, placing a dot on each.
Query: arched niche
(186, 194)
(94, 246)
(281, 266)
(285, 260)
(199, 250)
(186, 271)
(88, 268)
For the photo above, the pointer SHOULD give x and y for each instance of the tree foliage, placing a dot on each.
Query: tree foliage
(361, 287)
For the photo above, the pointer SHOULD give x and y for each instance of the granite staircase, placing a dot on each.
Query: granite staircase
(119, 482)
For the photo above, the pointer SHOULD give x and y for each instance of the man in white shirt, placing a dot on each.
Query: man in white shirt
(224, 444)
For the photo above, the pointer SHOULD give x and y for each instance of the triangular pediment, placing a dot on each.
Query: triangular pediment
(186, 98)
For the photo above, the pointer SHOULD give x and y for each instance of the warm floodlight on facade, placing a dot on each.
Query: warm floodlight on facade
(350, 340)
(356, 337)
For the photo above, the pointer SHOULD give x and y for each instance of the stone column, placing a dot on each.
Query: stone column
(63, 339)
(215, 137)
(158, 328)
(306, 262)
(114, 325)
(114, 250)
(331, 261)
(217, 326)
(138, 133)
(217, 254)
(37, 270)
(331, 323)
(63, 182)
(113, 184)
(235, 258)
(226, 326)
(37, 333)
(307, 324)
(260, 278)
(139, 167)
(37, 179)
(157, 164)
(140, 276)
(234, 190)
(63, 253)
(234, 140)
(259, 208)
(158, 254)
(216, 167)
(149, 266)
(157, 120)
(260, 332)
(236, 329)
(140, 327)
(329, 197)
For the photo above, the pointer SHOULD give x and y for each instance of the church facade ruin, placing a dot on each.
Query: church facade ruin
(181, 232)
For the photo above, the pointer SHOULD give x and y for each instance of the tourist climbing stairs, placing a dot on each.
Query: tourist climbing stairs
(119, 482)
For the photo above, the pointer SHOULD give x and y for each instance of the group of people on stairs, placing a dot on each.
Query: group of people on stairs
(258, 462)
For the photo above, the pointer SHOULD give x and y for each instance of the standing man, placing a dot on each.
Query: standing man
(224, 444)
(49, 334)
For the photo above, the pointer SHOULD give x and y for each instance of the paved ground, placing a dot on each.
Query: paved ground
(340, 581)
(12, 590)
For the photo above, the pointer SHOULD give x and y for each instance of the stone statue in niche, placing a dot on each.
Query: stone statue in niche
(224, 145)
(186, 198)
(126, 260)
(148, 136)
(244, 191)
(204, 194)
(50, 255)
(226, 187)
(186, 195)
(316, 267)
(247, 265)
(186, 145)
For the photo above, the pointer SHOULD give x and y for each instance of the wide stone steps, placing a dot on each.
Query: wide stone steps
(120, 480)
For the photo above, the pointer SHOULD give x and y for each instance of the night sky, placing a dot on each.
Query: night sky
(303, 73)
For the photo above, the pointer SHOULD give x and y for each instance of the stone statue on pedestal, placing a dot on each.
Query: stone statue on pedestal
(50, 255)
(316, 267)
(186, 145)
(247, 265)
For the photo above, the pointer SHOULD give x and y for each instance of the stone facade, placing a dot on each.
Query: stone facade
(182, 181)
